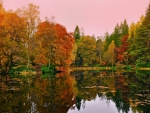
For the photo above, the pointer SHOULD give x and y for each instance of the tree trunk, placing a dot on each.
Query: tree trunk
(49, 58)
(28, 60)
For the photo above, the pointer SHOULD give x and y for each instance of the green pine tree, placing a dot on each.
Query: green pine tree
(142, 42)
(77, 33)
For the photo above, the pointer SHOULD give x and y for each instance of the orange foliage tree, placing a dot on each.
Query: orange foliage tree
(55, 43)
(25, 41)
(12, 40)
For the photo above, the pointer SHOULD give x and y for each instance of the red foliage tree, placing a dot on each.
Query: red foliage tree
(122, 49)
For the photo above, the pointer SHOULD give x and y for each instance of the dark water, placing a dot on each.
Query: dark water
(76, 92)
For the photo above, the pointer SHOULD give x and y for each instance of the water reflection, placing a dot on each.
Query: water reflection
(129, 91)
(98, 105)
(80, 91)
(37, 95)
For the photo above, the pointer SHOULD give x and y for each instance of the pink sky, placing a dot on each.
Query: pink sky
(95, 16)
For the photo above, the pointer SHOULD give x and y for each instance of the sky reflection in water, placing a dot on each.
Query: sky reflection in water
(97, 106)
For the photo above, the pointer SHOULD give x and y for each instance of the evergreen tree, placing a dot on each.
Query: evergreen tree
(107, 41)
(142, 41)
(99, 49)
(132, 39)
(116, 35)
(119, 32)
(77, 33)
(124, 28)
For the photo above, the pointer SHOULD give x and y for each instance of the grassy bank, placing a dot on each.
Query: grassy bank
(91, 68)
(143, 68)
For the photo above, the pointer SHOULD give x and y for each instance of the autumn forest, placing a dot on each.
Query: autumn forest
(26, 42)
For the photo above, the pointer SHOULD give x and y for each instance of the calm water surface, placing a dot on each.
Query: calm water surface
(76, 92)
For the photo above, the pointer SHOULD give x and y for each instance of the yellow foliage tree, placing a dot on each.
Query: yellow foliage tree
(110, 56)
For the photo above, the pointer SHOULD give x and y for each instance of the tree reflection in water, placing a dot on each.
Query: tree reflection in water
(64, 93)
(123, 88)
(37, 95)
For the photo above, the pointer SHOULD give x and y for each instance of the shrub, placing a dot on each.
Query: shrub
(46, 69)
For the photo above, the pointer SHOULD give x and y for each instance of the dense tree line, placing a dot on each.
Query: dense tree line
(25, 40)
(125, 45)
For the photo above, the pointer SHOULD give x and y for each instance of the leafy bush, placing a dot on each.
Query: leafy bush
(46, 69)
